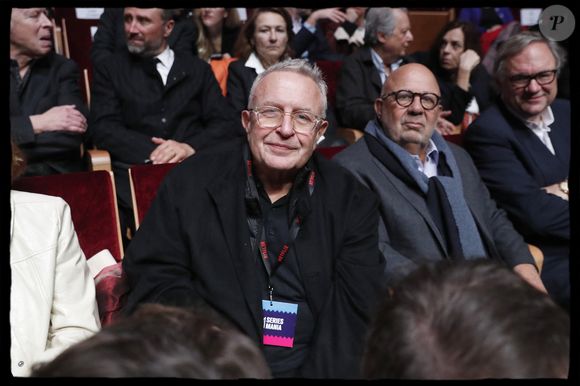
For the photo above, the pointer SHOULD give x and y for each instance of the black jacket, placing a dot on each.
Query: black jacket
(194, 248)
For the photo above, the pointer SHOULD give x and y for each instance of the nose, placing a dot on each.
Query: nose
(416, 107)
(409, 36)
(45, 21)
(286, 129)
(446, 48)
(533, 86)
(273, 36)
(131, 26)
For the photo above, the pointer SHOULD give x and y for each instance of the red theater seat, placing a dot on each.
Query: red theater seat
(93, 204)
(145, 180)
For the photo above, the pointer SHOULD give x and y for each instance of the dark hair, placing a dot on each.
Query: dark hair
(471, 42)
(162, 341)
(468, 320)
(243, 47)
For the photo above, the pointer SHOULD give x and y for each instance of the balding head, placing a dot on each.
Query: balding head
(409, 126)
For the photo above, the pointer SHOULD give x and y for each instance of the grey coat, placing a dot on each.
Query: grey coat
(408, 236)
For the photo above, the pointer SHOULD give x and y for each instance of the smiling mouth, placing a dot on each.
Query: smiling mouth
(279, 147)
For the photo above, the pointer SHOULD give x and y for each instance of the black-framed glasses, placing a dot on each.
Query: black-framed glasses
(271, 117)
(405, 98)
(542, 77)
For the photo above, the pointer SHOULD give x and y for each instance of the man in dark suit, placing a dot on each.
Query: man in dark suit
(47, 112)
(151, 104)
(274, 237)
(433, 204)
(521, 147)
(387, 36)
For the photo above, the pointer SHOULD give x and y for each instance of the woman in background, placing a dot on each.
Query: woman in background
(218, 30)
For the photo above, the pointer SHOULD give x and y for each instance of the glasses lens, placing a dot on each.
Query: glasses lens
(545, 77)
(269, 117)
(303, 121)
(404, 97)
(429, 101)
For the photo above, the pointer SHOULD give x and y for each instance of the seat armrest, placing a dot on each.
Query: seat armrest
(99, 159)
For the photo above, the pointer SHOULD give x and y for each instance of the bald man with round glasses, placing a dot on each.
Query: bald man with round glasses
(433, 204)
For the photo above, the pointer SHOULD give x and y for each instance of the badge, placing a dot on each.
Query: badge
(279, 323)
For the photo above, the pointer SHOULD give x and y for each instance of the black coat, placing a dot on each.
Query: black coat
(194, 248)
(53, 81)
(130, 105)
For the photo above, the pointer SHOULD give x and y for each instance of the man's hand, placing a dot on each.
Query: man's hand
(556, 191)
(169, 150)
(59, 118)
(529, 273)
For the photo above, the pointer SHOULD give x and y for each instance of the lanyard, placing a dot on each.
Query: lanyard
(255, 222)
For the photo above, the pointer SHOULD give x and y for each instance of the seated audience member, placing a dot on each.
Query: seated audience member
(433, 204)
(387, 36)
(464, 82)
(153, 104)
(47, 112)
(521, 146)
(310, 41)
(218, 30)
(237, 228)
(467, 320)
(110, 36)
(52, 295)
(162, 341)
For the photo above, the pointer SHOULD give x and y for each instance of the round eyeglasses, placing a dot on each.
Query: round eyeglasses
(542, 77)
(405, 98)
(271, 117)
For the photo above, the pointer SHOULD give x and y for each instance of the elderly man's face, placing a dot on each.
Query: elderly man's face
(532, 100)
(283, 150)
(30, 32)
(145, 30)
(396, 44)
(411, 127)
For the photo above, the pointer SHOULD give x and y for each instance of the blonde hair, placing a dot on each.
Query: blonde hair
(205, 48)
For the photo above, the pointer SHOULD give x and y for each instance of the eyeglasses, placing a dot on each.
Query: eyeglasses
(543, 78)
(405, 98)
(270, 117)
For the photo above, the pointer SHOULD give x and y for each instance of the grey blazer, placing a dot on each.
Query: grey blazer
(408, 236)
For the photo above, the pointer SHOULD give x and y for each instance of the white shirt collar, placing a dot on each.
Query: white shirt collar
(254, 62)
(540, 129)
(429, 167)
(166, 59)
(380, 65)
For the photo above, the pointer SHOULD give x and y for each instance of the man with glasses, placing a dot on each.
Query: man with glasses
(433, 204)
(277, 239)
(521, 146)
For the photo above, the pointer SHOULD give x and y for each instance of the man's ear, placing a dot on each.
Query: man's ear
(321, 130)
(168, 28)
(378, 106)
(246, 117)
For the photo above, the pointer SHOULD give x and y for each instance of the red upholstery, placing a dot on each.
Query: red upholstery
(91, 198)
(145, 180)
(330, 151)
(330, 70)
(112, 288)
(455, 138)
